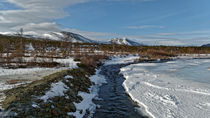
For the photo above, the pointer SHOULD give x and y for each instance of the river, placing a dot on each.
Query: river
(115, 102)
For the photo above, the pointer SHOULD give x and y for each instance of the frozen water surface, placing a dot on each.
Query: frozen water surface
(175, 89)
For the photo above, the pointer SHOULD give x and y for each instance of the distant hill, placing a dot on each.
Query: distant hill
(124, 41)
(74, 38)
(207, 45)
(67, 36)
(58, 36)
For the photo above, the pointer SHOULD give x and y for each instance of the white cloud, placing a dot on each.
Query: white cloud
(166, 42)
(34, 12)
(36, 16)
(145, 27)
(38, 27)
(202, 32)
(166, 34)
(150, 40)
(130, 0)
(102, 36)
(153, 39)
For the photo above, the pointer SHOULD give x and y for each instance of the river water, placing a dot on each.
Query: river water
(115, 103)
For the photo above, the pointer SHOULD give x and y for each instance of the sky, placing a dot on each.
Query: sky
(151, 22)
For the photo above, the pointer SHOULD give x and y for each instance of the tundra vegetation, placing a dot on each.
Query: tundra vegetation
(20, 52)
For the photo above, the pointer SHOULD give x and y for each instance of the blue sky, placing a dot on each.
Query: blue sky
(154, 22)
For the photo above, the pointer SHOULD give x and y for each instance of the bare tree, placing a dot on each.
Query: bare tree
(19, 47)
(20, 32)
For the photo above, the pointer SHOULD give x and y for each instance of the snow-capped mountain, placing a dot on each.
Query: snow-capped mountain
(67, 36)
(58, 36)
(207, 45)
(72, 37)
(124, 41)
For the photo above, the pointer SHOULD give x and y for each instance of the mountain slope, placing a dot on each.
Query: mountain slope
(124, 41)
(207, 45)
(58, 36)
(67, 36)
(74, 38)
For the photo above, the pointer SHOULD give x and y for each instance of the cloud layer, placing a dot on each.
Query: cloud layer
(34, 15)
(145, 27)
(37, 16)
(195, 38)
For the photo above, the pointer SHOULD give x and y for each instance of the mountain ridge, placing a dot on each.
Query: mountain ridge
(124, 41)
(206, 45)
(74, 38)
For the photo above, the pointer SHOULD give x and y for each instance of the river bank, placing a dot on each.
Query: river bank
(17, 77)
(56, 95)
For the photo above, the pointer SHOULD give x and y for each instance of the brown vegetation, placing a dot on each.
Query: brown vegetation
(20, 100)
(14, 50)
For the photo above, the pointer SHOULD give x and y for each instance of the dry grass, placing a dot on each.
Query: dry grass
(16, 81)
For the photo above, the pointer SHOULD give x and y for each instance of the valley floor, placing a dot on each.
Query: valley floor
(155, 93)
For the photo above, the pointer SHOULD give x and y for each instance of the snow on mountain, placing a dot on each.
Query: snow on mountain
(67, 36)
(58, 36)
(6, 33)
(71, 37)
(124, 41)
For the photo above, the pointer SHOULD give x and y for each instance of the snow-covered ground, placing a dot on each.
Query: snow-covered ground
(57, 89)
(98, 79)
(175, 89)
(87, 103)
(20, 71)
(187, 56)
(122, 59)
(29, 74)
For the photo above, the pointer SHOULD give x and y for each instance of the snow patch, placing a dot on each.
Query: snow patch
(121, 59)
(21, 71)
(68, 62)
(187, 56)
(87, 103)
(30, 47)
(146, 64)
(68, 77)
(57, 89)
(35, 105)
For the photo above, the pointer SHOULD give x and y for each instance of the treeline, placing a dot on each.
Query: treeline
(155, 51)
(15, 50)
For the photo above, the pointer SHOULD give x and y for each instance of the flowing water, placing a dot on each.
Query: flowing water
(115, 102)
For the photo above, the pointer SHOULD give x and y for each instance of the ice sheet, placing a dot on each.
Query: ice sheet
(164, 95)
